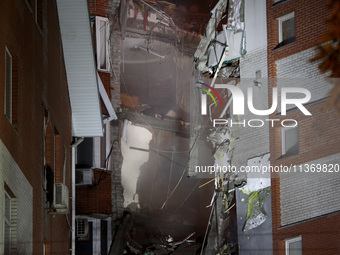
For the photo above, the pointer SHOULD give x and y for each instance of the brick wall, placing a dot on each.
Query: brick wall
(310, 23)
(318, 135)
(106, 80)
(319, 236)
(95, 199)
(296, 71)
(297, 189)
(116, 157)
(99, 8)
(40, 82)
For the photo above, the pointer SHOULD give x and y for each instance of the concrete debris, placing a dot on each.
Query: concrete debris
(225, 38)
(222, 142)
(235, 14)
(216, 15)
(170, 247)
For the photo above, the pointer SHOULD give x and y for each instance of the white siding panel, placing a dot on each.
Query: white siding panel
(309, 195)
(296, 71)
(11, 174)
(80, 67)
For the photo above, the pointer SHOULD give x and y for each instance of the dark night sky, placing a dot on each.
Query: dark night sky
(205, 5)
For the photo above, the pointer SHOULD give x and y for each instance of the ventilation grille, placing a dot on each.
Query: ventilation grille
(82, 228)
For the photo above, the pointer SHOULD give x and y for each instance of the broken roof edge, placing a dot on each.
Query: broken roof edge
(74, 22)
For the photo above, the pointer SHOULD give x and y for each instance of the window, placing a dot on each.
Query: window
(294, 246)
(8, 85)
(290, 142)
(102, 41)
(9, 222)
(286, 29)
(11, 87)
(278, 1)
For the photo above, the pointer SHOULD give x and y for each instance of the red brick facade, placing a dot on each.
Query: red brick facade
(316, 139)
(106, 79)
(99, 8)
(39, 82)
(95, 199)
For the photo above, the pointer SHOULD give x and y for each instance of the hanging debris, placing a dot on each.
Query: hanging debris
(256, 214)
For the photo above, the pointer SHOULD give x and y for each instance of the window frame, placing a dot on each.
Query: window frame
(282, 19)
(283, 138)
(37, 4)
(9, 114)
(292, 240)
(98, 43)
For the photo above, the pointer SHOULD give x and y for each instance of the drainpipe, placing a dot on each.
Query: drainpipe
(73, 148)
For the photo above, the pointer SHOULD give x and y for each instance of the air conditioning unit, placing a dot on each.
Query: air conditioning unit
(60, 198)
(84, 177)
(82, 229)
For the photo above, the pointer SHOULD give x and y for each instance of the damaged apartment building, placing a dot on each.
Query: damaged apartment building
(118, 114)
(250, 45)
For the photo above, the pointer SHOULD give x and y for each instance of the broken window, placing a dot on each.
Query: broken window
(290, 142)
(294, 246)
(286, 29)
(102, 41)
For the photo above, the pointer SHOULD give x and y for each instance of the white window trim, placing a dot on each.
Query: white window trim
(10, 86)
(96, 152)
(97, 147)
(96, 230)
(281, 19)
(54, 150)
(98, 42)
(283, 138)
(291, 240)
